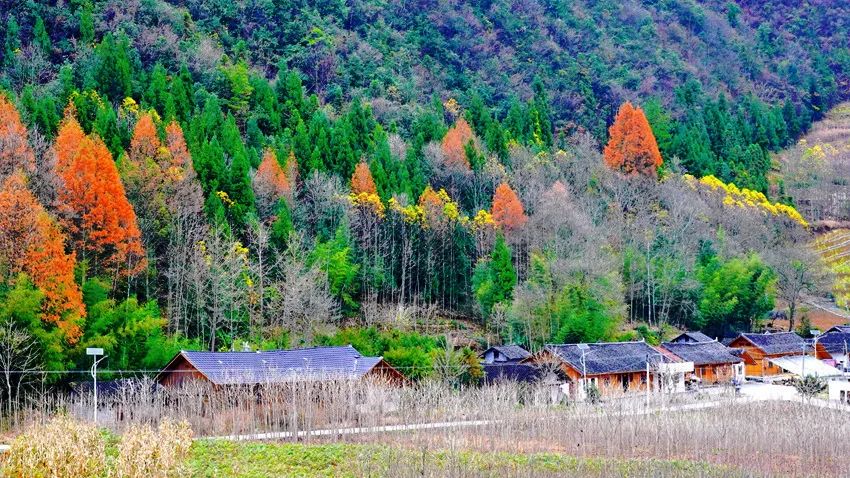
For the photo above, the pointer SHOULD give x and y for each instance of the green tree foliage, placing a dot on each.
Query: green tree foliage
(113, 75)
(495, 278)
(735, 294)
(334, 257)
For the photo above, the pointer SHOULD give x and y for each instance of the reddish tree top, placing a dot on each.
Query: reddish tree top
(93, 204)
(15, 151)
(362, 181)
(32, 243)
(271, 176)
(632, 148)
(176, 144)
(454, 145)
(508, 212)
(145, 142)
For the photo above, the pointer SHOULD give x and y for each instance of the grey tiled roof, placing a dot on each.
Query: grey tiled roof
(702, 353)
(606, 358)
(511, 352)
(518, 372)
(316, 363)
(777, 343)
(692, 337)
(835, 342)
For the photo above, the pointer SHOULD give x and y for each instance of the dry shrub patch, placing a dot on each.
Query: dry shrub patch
(67, 448)
(148, 453)
(60, 448)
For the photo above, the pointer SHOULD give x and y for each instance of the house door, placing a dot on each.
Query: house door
(625, 381)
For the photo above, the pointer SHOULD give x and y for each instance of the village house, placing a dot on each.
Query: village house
(834, 347)
(762, 352)
(315, 364)
(614, 368)
(713, 361)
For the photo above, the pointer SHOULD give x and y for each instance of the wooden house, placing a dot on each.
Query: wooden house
(759, 350)
(713, 361)
(613, 368)
(315, 364)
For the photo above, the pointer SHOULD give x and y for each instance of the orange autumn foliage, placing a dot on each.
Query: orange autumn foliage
(145, 142)
(32, 243)
(67, 143)
(93, 204)
(271, 174)
(270, 184)
(632, 148)
(454, 144)
(362, 181)
(508, 212)
(15, 151)
(176, 144)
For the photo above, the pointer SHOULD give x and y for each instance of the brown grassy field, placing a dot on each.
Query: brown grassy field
(751, 439)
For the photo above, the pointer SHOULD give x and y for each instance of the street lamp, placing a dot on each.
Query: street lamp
(815, 334)
(660, 384)
(95, 353)
(585, 349)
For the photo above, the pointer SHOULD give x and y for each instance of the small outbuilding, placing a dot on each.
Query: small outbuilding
(314, 364)
(839, 391)
(691, 338)
(838, 328)
(759, 349)
(713, 361)
(504, 354)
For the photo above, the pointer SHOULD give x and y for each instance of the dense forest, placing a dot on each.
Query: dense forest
(215, 174)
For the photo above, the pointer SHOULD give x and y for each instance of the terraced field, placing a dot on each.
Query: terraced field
(834, 247)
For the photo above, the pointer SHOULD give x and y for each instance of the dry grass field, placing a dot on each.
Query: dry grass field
(522, 433)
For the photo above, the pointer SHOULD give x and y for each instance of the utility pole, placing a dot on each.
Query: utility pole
(95, 353)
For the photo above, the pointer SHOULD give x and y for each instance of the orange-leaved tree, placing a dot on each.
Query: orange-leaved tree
(15, 151)
(631, 147)
(454, 145)
(508, 212)
(362, 181)
(270, 184)
(32, 243)
(93, 205)
(177, 149)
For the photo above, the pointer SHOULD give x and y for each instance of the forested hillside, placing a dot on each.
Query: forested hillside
(204, 174)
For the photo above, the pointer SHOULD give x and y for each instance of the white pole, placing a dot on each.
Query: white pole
(94, 376)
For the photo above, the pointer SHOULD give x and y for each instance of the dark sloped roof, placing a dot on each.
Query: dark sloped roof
(605, 358)
(511, 352)
(702, 353)
(316, 363)
(777, 343)
(838, 328)
(518, 372)
(692, 337)
(835, 342)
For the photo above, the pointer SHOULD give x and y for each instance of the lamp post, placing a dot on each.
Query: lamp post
(95, 353)
(815, 334)
(660, 385)
(585, 349)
